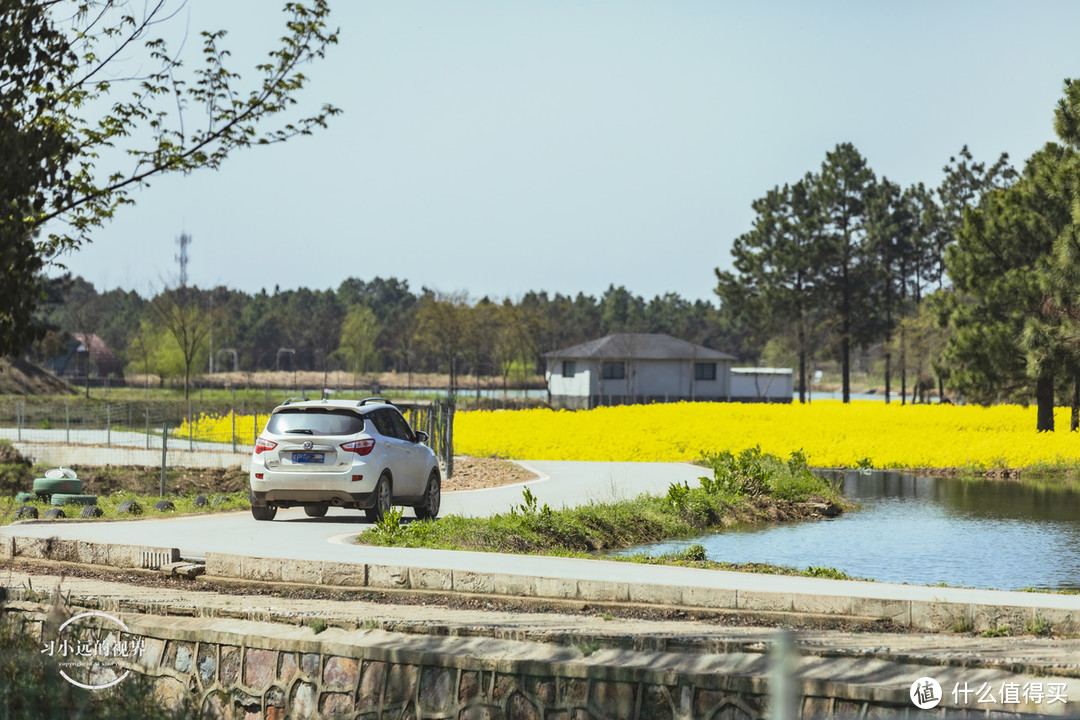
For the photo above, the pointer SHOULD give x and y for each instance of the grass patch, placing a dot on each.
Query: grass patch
(588, 648)
(694, 556)
(746, 488)
(15, 472)
(1037, 626)
(109, 504)
(963, 625)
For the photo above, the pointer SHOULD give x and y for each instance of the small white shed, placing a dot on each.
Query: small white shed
(762, 384)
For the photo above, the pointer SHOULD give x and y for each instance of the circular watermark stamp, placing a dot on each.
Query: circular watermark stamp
(98, 662)
(925, 693)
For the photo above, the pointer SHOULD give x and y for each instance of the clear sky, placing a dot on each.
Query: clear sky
(502, 146)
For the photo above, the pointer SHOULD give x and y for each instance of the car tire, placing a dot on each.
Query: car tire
(61, 499)
(263, 512)
(429, 508)
(49, 486)
(382, 504)
(316, 511)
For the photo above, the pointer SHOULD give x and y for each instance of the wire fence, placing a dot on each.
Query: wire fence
(171, 434)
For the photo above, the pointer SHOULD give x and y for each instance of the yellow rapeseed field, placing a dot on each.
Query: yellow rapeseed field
(219, 428)
(829, 432)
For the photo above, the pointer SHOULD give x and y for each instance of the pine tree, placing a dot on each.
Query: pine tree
(846, 180)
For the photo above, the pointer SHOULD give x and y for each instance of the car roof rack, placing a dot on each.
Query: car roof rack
(298, 398)
(373, 400)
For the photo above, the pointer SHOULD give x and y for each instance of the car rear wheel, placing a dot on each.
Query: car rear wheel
(382, 501)
(315, 510)
(429, 508)
(263, 512)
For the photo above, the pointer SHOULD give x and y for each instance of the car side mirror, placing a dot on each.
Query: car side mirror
(421, 436)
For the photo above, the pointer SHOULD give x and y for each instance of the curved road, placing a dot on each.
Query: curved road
(293, 535)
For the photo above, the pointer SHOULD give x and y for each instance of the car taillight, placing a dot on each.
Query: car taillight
(262, 445)
(360, 447)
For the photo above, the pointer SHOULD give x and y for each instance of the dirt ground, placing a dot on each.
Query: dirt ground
(18, 377)
(475, 473)
(469, 474)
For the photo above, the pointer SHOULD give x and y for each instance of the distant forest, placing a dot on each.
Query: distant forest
(363, 326)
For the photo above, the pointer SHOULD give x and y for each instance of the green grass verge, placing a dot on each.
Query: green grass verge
(751, 487)
(109, 504)
(694, 556)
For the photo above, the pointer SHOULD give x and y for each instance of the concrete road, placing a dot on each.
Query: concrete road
(294, 535)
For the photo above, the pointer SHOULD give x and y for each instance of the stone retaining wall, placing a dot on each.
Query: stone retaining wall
(261, 670)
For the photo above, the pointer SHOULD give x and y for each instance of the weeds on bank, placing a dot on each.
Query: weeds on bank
(31, 687)
(749, 487)
(963, 625)
(694, 556)
(1037, 626)
(588, 648)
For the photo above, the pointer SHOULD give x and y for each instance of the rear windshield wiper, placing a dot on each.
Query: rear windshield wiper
(305, 431)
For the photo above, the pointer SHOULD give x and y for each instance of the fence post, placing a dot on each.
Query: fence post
(147, 427)
(450, 441)
(233, 414)
(108, 425)
(67, 423)
(18, 419)
(191, 427)
(255, 429)
(164, 451)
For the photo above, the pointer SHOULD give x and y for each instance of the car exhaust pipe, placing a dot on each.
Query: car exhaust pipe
(336, 502)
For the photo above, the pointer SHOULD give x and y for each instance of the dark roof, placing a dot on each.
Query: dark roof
(100, 354)
(640, 346)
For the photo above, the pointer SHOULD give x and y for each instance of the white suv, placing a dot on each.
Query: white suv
(363, 455)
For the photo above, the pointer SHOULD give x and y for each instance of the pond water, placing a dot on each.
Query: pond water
(964, 532)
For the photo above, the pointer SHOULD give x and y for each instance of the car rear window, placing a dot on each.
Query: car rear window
(315, 421)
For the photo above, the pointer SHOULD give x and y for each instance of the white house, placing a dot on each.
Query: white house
(636, 368)
(642, 368)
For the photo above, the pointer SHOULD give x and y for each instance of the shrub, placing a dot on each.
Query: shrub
(15, 474)
(31, 687)
(753, 473)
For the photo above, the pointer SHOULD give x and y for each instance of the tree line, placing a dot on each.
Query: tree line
(362, 326)
(974, 281)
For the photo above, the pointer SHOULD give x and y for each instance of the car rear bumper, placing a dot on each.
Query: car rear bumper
(294, 498)
(289, 489)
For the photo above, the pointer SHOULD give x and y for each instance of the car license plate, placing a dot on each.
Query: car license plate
(307, 457)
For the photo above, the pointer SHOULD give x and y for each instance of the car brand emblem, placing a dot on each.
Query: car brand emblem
(308, 445)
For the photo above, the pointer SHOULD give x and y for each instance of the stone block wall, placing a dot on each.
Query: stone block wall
(250, 670)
